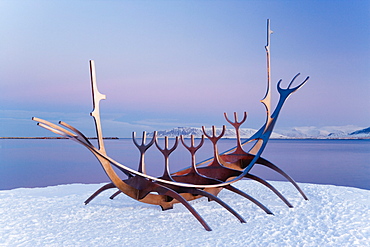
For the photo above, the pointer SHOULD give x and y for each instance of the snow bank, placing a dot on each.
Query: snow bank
(56, 216)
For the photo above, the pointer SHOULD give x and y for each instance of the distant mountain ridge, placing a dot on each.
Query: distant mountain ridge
(361, 132)
(329, 132)
(198, 132)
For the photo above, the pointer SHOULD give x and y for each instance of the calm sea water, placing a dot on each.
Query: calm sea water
(38, 163)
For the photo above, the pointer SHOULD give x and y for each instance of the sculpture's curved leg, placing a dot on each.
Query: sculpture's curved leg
(162, 190)
(277, 169)
(264, 182)
(105, 187)
(239, 192)
(145, 186)
(218, 200)
(115, 194)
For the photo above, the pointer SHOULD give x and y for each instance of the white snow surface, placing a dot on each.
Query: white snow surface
(57, 216)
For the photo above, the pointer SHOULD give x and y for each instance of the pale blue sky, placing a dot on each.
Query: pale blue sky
(164, 64)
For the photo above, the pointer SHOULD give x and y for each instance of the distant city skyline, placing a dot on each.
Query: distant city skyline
(166, 64)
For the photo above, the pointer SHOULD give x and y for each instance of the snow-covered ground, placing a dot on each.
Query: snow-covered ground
(56, 216)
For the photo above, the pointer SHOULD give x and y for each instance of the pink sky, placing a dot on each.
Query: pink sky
(182, 63)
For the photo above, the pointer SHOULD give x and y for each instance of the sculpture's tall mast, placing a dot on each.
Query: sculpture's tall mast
(97, 96)
(267, 99)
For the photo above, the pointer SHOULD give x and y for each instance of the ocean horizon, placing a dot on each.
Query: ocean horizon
(46, 162)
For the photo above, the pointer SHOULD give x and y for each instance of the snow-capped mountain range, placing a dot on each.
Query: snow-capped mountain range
(328, 132)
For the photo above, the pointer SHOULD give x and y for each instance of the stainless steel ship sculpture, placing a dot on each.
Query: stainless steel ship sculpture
(205, 179)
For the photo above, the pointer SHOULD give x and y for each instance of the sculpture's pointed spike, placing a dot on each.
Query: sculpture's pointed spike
(277, 169)
(100, 190)
(222, 203)
(268, 185)
(115, 194)
(166, 191)
(239, 192)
